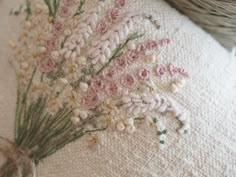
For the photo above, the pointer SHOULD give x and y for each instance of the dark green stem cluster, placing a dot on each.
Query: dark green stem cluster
(40, 133)
(53, 6)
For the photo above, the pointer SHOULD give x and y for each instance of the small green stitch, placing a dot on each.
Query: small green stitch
(79, 10)
(154, 120)
(164, 131)
(28, 9)
(162, 142)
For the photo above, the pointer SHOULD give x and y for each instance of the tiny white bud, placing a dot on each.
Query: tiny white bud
(82, 60)
(67, 32)
(180, 82)
(83, 86)
(63, 81)
(120, 126)
(130, 129)
(174, 88)
(76, 112)
(103, 59)
(129, 121)
(131, 46)
(83, 114)
(151, 58)
(75, 120)
(42, 49)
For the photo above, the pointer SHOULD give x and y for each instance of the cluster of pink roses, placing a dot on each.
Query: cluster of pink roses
(111, 16)
(109, 84)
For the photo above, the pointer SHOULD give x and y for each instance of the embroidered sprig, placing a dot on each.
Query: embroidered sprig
(84, 73)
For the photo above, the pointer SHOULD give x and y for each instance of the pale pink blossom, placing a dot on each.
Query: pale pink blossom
(97, 84)
(120, 3)
(172, 69)
(128, 80)
(141, 48)
(164, 42)
(132, 56)
(121, 62)
(160, 70)
(109, 73)
(101, 27)
(58, 28)
(51, 44)
(64, 11)
(144, 73)
(46, 64)
(151, 45)
(112, 15)
(111, 89)
(91, 99)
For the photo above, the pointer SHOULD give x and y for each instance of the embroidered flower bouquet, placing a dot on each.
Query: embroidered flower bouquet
(83, 70)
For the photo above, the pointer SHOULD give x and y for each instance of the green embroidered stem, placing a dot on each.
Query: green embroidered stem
(63, 42)
(79, 10)
(118, 51)
(28, 9)
(53, 6)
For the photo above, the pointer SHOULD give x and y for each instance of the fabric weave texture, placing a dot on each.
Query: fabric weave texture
(209, 150)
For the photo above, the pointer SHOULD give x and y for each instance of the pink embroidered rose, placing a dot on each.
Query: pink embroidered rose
(172, 69)
(132, 56)
(151, 45)
(120, 3)
(112, 15)
(102, 27)
(160, 70)
(97, 84)
(64, 11)
(128, 80)
(141, 48)
(164, 42)
(109, 73)
(121, 63)
(51, 44)
(144, 73)
(68, 2)
(91, 99)
(111, 89)
(58, 28)
(46, 64)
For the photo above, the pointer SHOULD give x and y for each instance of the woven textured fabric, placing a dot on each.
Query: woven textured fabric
(209, 150)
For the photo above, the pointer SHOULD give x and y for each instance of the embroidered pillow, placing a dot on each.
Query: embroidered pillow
(161, 86)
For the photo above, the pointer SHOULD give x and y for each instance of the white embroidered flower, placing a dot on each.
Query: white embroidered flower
(72, 98)
(38, 89)
(54, 104)
(71, 69)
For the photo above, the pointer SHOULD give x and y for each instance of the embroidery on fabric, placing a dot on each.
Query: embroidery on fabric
(84, 71)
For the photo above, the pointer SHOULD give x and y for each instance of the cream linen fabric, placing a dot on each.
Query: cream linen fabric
(210, 148)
